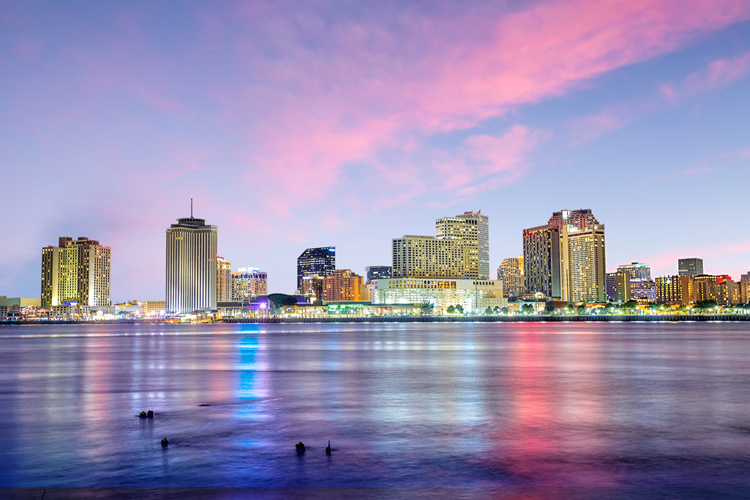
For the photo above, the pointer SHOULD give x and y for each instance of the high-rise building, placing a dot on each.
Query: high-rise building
(342, 285)
(428, 257)
(566, 258)
(745, 288)
(320, 261)
(675, 290)
(690, 267)
(618, 286)
(313, 286)
(191, 265)
(728, 293)
(76, 271)
(473, 229)
(583, 263)
(541, 260)
(638, 271)
(249, 282)
(510, 274)
(378, 272)
(223, 279)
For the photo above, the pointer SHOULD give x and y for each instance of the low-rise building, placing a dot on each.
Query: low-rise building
(675, 290)
(474, 296)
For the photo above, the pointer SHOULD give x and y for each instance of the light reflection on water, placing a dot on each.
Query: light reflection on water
(525, 404)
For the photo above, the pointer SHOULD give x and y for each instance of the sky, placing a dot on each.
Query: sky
(301, 124)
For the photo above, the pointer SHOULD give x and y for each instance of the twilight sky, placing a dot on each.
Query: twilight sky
(298, 124)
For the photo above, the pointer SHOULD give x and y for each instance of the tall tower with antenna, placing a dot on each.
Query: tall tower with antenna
(191, 265)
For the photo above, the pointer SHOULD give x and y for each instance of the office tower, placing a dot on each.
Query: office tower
(320, 261)
(579, 218)
(249, 282)
(428, 257)
(690, 267)
(342, 285)
(510, 274)
(745, 288)
(473, 229)
(223, 279)
(378, 272)
(638, 271)
(191, 265)
(618, 286)
(675, 290)
(541, 260)
(582, 264)
(76, 271)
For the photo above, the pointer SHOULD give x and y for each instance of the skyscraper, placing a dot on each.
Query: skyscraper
(510, 273)
(541, 259)
(428, 257)
(566, 258)
(320, 261)
(472, 228)
(191, 265)
(223, 279)
(76, 270)
(618, 286)
(690, 267)
(583, 263)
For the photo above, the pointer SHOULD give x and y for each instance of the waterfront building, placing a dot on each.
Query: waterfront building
(582, 263)
(728, 292)
(690, 267)
(19, 302)
(377, 272)
(638, 271)
(643, 291)
(191, 265)
(675, 290)
(618, 286)
(248, 282)
(320, 261)
(223, 279)
(428, 257)
(510, 274)
(154, 306)
(745, 288)
(474, 296)
(472, 228)
(76, 271)
(541, 260)
(342, 285)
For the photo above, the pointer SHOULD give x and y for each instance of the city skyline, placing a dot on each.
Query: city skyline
(120, 120)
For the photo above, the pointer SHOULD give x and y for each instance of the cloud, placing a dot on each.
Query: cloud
(716, 75)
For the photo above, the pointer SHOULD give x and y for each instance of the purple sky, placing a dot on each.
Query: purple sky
(298, 124)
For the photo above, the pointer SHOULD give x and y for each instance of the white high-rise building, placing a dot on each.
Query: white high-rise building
(428, 257)
(191, 265)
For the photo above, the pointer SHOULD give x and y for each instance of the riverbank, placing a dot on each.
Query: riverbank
(671, 318)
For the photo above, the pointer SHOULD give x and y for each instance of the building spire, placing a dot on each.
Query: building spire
(191, 207)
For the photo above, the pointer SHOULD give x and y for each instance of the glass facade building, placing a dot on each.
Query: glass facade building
(320, 261)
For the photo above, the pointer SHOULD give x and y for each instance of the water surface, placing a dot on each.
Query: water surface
(507, 405)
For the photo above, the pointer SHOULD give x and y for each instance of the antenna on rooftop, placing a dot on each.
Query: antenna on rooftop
(191, 207)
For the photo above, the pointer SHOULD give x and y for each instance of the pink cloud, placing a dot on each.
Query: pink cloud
(377, 89)
(719, 74)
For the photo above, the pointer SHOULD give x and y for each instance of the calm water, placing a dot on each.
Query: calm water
(409, 405)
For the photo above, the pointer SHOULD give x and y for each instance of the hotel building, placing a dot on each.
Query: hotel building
(76, 271)
(191, 266)
(638, 271)
(582, 263)
(248, 282)
(745, 288)
(675, 290)
(342, 285)
(320, 261)
(472, 228)
(428, 257)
